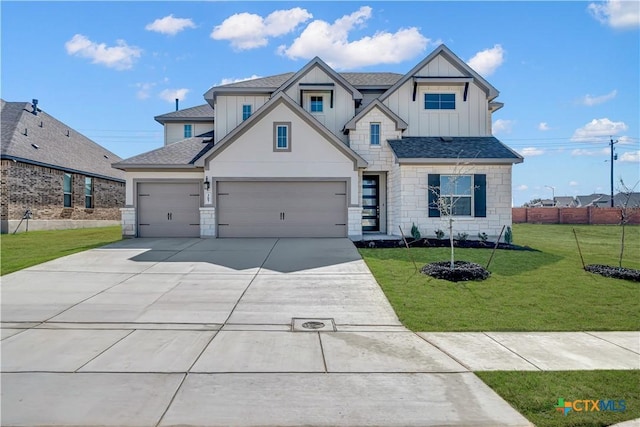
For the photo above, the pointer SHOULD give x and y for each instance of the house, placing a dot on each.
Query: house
(317, 153)
(564, 202)
(595, 199)
(64, 179)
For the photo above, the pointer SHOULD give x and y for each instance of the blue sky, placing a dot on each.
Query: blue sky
(567, 72)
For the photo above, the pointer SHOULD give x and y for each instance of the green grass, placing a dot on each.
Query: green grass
(26, 249)
(545, 290)
(535, 394)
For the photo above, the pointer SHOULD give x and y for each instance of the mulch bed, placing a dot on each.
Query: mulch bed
(462, 272)
(614, 272)
(438, 243)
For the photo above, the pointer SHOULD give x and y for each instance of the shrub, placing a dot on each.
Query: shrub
(439, 234)
(415, 232)
(483, 237)
(508, 236)
(462, 237)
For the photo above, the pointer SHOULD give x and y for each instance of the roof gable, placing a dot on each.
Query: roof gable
(400, 124)
(279, 99)
(43, 140)
(317, 62)
(454, 60)
(199, 113)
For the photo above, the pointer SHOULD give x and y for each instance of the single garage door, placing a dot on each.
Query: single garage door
(168, 209)
(282, 209)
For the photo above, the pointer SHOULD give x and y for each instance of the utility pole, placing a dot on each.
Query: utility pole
(611, 144)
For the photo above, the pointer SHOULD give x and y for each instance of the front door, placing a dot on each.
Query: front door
(370, 203)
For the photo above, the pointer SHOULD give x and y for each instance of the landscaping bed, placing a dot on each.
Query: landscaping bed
(438, 243)
(614, 272)
(463, 271)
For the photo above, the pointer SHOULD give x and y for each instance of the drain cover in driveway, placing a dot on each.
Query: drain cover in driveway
(312, 325)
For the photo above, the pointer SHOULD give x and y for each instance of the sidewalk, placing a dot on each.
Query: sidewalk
(539, 351)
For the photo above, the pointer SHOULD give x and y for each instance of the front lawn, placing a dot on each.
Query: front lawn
(544, 290)
(535, 395)
(35, 247)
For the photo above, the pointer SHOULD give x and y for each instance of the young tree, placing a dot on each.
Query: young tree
(627, 210)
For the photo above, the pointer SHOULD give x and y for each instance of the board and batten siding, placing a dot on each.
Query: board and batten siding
(229, 111)
(343, 105)
(470, 118)
(174, 132)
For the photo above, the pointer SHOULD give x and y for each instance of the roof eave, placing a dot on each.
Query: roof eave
(130, 166)
(461, 161)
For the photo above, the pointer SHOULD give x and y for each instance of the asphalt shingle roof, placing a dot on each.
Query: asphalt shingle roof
(52, 143)
(435, 147)
(355, 79)
(184, 152)
(204, 111)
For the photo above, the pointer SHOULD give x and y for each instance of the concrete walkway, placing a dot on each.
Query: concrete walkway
(244, 332)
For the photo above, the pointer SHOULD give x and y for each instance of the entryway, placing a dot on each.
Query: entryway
(373, 203)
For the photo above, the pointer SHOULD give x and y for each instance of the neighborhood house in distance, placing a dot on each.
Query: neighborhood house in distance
(64, 179)
(317, 153)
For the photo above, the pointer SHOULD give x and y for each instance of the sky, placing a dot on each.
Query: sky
(567, 72)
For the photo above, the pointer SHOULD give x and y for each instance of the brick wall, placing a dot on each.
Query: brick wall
(25, 186)
(588, 215)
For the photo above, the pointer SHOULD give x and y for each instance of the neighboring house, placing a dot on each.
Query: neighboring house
(326, 154)
(565, 202)
(63, 178)
(595, 199)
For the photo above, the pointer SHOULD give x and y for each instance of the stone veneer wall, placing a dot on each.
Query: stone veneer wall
(25, 186)
(208, 222)
(414, 204)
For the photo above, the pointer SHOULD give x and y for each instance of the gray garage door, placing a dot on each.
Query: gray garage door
(168, 209)
(282, 209)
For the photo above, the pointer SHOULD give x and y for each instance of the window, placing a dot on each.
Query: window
(88, 193)
(374, 133)
(67, 190)
(316, 104)
(439, 101)
(282, 136)
(465, 194)
(246, 111)
(188, 131)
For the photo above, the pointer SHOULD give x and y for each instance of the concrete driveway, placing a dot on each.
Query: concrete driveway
(223, 332)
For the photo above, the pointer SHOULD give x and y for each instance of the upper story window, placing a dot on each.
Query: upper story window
(88, 192)
(246, 111)
(188, 131)
(67, 190)
(456, 192)
(316, 104)
(282, 136)
(439, 101)
(374, 133)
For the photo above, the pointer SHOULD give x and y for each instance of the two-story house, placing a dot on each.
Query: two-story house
(317, 153)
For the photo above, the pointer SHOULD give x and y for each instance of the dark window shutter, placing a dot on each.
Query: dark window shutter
(480, 195)
(434, 194)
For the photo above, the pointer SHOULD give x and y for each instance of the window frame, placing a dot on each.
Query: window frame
(277, 137)
(316, 100)
(190, 130)
(88, 192)
(453, 195)
(374, 138)
(67, 193)
(440, 102)
(246, 111)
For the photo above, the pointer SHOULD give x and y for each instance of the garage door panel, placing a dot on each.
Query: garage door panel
(282, 209)
(168, 209)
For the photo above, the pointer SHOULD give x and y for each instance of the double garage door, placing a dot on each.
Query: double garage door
(282, 209)
(246, 209)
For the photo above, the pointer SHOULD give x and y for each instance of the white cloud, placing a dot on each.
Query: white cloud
(590, 100)
(586, 152)
(226, 81)
(543, 126)
(121, 57)
(531, 151)
(502, 126)
(630, 157)
(170, 25)
(170, 95)
(617, 13)
(487, 61)
(573, 183)
(598, 129)
(522, 187)
(250, 31)
(331, 43)
(144, 90)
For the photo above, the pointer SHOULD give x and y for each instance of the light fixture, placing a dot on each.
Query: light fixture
(206, 183)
